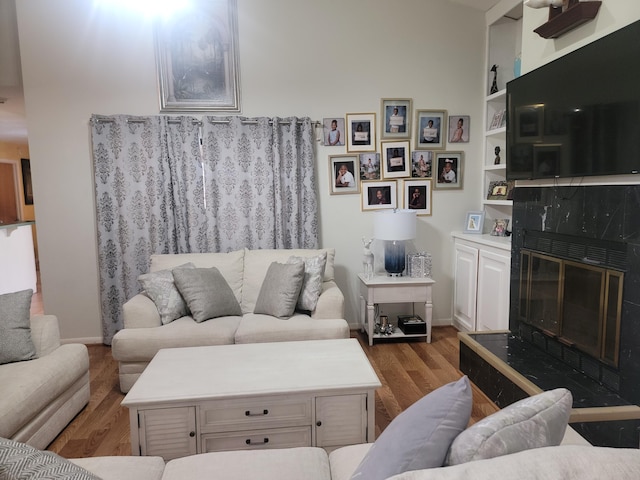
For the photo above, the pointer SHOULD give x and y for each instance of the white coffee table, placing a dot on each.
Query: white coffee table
(264, 395)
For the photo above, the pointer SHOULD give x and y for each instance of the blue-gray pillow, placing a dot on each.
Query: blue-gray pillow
(15, 327)
(160, 287)
(280, 289)
(420, 436)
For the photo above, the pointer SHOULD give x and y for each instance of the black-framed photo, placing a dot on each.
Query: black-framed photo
(431, 129)
(343, 173)
(497, 190)
(422, 163)
(499, 228)
(379, 195)
(197, 58)
(474, 222)
(361, 132)
(396, 115)
(370, 166)
(459, 128)
(395, 159)
(333, 131)
(449, 169)
(417, 196)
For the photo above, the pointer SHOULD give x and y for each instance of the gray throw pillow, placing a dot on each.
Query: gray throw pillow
(21, 461)
(15, 327)
(533, 422)
(420, 436)
(280, 289)
(207, 293)
(160, 287)
(312, 283)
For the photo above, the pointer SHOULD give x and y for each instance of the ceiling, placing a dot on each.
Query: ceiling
(13, 122)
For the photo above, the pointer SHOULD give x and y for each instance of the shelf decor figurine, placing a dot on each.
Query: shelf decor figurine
(494, 85)
(367, 259)
(497, 152)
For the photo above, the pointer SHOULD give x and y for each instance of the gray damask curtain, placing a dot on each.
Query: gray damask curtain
(255, 188)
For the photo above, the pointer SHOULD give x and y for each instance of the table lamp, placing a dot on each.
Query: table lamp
(394, 228)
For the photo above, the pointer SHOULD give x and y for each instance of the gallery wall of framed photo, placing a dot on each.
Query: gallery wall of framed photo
(406, 165)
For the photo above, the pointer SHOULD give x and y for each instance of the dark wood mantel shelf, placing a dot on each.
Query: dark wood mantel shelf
(561, 22)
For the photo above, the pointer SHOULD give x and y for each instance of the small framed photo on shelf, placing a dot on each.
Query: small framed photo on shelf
(395, 159)
(431, 128)
(379, 195)
(498, 190)
(343, 174)
(449, 170)
(417, 196)
(459, 128)
(369, 166)
(396, 114)
(474, 222)
(496, 122)
(361, 132)
(333, 131)
(500, 226)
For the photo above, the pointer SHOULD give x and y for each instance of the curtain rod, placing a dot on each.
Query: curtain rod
(315, 123)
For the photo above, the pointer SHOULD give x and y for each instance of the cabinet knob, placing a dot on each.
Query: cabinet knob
(318, 423)
(192, 434)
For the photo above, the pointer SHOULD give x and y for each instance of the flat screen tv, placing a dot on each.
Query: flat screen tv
(578, 115)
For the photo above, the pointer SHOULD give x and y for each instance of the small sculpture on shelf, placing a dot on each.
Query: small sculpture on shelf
(367, 258)
(497, 152)
(494, 85)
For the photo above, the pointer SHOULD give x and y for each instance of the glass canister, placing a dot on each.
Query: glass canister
(420, 265)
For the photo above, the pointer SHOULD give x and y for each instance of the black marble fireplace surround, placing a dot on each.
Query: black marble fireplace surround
(599, 219)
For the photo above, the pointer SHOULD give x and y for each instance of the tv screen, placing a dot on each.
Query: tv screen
(580, 114)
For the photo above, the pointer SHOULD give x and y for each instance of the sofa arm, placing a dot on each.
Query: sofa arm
(330, 302)
(45, 334)
(140, 312)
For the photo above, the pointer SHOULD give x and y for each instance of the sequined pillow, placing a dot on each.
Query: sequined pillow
(312, 283)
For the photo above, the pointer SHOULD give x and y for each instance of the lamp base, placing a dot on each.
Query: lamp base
(394, 257)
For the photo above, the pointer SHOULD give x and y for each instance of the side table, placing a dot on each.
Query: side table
(385, 289)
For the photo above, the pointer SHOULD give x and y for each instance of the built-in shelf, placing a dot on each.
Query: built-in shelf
(499, 167)
(561, 22)
(498, 95)
(498, 202)
(496, 131)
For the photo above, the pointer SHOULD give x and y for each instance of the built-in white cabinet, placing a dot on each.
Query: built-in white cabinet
(482, 266)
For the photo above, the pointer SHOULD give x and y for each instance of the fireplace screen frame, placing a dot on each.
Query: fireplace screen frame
(543, 294)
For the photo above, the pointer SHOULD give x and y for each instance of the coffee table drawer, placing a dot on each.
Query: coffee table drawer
(257, 439)
(235, 415)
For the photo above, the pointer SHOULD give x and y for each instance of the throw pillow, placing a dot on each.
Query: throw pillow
(533, 422)
(19, 461)
(207, 293)
(15, 327)
(313, 278)
(420, 436)
(280, 289)
(160, 287)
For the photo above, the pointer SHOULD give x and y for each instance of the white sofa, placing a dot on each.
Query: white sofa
(244, 270)
(40, 397)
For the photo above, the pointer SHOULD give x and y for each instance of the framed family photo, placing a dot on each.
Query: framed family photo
(379, 195)
(370, 166)
(449, 170)
(361, 132)
(396, 115)
(197, 58)
(422, 163)
(497, 190)
(474, 222)
(395, 159)
(459, 128)
(343, 174)
(333, 131)
(417, 196)
(431, 129)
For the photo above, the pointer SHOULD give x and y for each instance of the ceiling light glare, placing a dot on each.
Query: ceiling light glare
(148, 8)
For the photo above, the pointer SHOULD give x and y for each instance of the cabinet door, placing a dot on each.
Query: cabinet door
(341, 420)
(465, 287)
(493, 291)
(168, 432)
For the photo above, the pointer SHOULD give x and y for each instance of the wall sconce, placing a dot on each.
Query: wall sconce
(394, 228)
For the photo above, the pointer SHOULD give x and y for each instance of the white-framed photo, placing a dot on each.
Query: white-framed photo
(361, 132)
(422, 163)
(379, 195)
(417, 195)
(370, 166)
(474, 222)
(396, 115)
(459, 128)
(431, 129)
(333, 131)
(449, 169)
(343, 174)
(395, 159)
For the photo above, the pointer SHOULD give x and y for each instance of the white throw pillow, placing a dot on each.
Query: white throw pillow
(160, 287)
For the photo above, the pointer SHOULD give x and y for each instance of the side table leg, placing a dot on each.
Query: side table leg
(427, 315)
(370, 321)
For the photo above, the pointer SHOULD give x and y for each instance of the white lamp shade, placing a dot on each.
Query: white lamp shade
(395, 225)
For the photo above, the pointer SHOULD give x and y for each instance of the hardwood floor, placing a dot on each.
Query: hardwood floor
(407, 371)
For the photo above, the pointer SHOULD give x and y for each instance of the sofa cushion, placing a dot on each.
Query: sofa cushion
(206, 292)
(19, 461)
(280, 289)
(15, 328)
(345, 460)
(533, 422)
(123, 467)
(160, 287)
(312, 282)
(257, 328)
(420, 436)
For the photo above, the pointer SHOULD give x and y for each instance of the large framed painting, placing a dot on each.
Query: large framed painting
(197, 58)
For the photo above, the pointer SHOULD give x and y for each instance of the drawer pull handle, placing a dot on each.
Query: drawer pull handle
(249, 414)
(263, 442)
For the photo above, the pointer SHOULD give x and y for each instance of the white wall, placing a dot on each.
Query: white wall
(317, 59)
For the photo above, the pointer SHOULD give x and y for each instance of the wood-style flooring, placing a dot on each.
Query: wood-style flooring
(407, 371)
